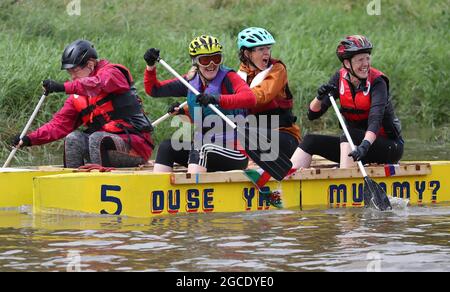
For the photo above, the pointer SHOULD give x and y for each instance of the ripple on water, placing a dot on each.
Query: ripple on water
(240, 244)
(94, 243)
(414, 239)
(149, 246)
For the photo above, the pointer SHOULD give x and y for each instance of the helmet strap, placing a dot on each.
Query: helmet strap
(202, 77)
(251, 62)
(352, 72)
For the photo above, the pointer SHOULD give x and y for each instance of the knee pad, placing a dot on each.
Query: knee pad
(74, 136)
(107, 144)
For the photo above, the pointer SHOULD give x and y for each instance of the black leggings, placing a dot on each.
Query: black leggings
(210, 156)
(382, 151)
(217, 158)
(288, 144)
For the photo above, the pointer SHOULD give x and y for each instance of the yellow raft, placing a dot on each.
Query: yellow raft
(144, 194)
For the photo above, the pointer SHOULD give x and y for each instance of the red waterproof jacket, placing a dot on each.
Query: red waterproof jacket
(102, 81)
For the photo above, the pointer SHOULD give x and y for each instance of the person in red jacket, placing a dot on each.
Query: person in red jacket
(365, 101)
(218, 85)
(103, 99)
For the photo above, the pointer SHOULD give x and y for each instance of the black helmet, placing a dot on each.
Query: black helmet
(77, 54)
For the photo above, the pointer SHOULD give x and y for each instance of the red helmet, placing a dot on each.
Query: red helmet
(353, 45)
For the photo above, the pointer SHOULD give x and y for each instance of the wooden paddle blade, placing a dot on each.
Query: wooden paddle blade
(258, 148)
(375, 196)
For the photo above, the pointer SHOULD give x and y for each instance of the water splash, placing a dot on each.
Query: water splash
(399, 203)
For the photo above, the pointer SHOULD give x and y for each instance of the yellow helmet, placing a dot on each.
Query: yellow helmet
(204, 45)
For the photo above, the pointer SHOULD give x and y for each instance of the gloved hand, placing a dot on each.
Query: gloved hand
(51, 86)
(324, 90)
(205, 99)
(151, 56)
(172, 109)
(361, 151)
(16, 140)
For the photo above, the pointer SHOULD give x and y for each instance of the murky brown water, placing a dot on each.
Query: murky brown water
(411, 239)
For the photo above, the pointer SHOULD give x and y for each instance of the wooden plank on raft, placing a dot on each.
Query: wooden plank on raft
(413, 169)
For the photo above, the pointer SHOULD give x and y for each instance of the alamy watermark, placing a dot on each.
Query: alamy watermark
(374, 7)
(374, 264)
(74, 261)
(255, 133)
(74, 8)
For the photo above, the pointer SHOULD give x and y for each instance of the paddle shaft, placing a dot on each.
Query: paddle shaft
(166, 116)
(195, 91)
(347, 134)
(25, 130)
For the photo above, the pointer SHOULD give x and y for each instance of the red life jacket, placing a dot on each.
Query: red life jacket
(113, 113)
(280, 105)
(357, 109)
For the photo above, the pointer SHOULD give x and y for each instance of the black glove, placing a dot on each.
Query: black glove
(51, 86)
(324, 90)
(361, 151)
(151, 56)
(16, 140)
(173, 111)
(205, 99)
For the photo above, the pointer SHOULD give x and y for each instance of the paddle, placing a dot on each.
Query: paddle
(166, 116)
(278, 168)
(374, 195)
(33, 116)
(25, 130)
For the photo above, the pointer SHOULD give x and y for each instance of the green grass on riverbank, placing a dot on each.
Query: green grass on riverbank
(410, 38)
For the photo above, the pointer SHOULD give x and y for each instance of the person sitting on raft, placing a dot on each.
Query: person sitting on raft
(102, 98)
(366, 105)
(218, 85)
(268, 79)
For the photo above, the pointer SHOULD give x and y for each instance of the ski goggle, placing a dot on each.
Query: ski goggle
(205, 60)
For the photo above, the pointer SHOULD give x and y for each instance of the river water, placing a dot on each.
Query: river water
(406, 239)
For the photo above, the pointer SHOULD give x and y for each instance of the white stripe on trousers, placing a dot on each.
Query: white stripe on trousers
(225, 152)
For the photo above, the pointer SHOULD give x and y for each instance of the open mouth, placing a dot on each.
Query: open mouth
(211, 68)
(364, 71)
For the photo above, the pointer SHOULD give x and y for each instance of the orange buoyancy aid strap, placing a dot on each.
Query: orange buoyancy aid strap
(80, 102)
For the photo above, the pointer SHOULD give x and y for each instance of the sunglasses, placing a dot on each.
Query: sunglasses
(205, 60)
